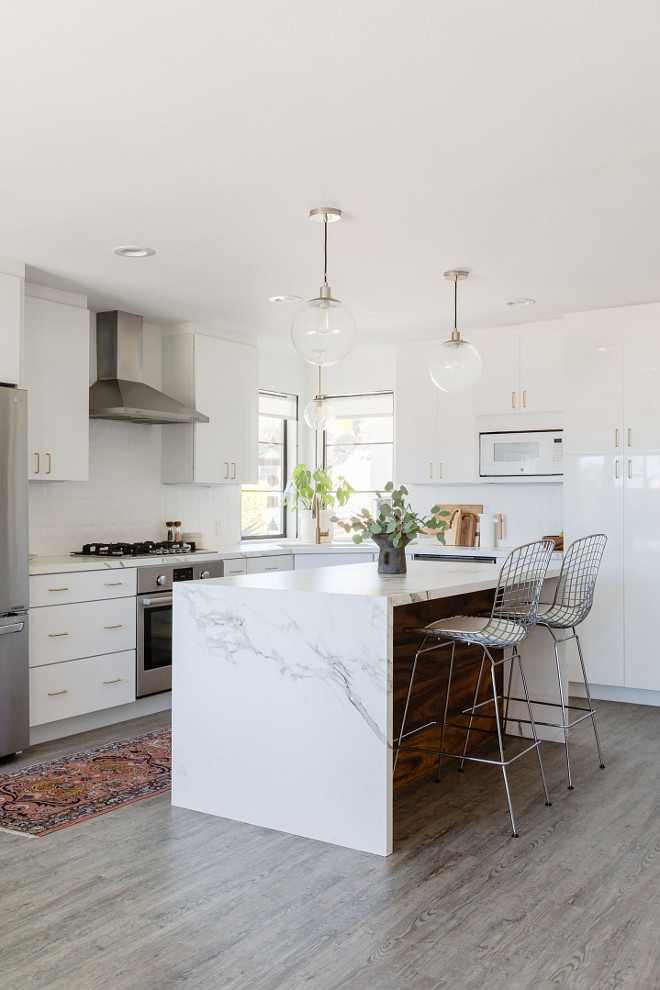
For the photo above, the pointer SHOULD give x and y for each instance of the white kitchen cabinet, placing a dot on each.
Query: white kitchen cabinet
(56, 375)
(434, 435)
(82, 642)
(275, 562)
(219, 378)
(84, 629)
(64, 690)
(234, 566)
(11, 308)
(522, 372)
(617, 494)
(612, 376)
(82, 586)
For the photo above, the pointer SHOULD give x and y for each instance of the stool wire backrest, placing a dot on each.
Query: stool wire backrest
(519, 589)
(575, 588)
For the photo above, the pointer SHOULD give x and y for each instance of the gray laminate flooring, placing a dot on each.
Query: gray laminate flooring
(151, 897)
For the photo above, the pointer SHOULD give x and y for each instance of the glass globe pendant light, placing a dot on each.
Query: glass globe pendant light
(319, 413)
(323, 330)
(456, 365)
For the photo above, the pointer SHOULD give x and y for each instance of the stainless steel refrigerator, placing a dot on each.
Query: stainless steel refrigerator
(14, 664)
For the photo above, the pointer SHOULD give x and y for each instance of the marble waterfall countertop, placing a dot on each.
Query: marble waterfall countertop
(424, 581)
(283, 694)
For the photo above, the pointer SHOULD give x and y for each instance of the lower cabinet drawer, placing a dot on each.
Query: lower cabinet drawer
(87, 629)
(77, 687)
(263, 565)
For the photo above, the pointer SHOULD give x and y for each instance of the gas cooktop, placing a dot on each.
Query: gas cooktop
(146, 549)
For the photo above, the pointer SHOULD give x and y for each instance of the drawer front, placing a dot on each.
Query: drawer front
(82, 586)
(306, 560)
(232, 567)
(87, 629)
(81, 686)
(263, 565)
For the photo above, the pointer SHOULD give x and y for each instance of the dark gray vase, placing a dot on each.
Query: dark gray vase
(391, 559)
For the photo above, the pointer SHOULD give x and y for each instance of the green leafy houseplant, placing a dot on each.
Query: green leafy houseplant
(394, 527)
(306, 485)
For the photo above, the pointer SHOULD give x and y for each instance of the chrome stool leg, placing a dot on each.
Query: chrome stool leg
(532, 723)
(405, 710)
(589, 702)
(508, 690)
(564, 713)
(514, 831)
(474, 705)
(444, 716)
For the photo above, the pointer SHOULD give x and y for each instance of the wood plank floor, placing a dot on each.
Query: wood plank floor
(151, 896)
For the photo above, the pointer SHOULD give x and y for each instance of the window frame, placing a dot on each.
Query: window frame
(287, 444)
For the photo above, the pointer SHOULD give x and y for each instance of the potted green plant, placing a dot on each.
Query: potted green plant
(315, 495)
(392, 529)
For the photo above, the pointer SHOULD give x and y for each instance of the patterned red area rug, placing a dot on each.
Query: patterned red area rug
(43, 798)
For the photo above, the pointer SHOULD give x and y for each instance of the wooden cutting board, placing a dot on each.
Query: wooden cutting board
(455, 513)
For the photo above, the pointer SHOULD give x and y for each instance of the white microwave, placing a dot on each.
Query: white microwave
(532, 453)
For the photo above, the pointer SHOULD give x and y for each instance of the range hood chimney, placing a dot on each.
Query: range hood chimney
(120, 392)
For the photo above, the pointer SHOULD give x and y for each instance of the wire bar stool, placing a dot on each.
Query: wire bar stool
(571, 605)
(511, 620)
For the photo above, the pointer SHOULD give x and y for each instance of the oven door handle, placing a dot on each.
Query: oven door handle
(158, 600)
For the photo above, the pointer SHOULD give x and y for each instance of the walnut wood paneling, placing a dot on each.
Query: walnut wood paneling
(428, 699)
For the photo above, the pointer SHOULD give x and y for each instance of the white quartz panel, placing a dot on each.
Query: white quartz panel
(282, 711)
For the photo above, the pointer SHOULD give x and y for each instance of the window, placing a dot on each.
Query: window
(360, 446)
(262, 513)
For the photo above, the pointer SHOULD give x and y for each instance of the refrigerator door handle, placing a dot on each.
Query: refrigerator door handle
(15, 627)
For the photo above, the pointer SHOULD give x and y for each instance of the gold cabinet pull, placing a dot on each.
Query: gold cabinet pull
(36, 454)
(112, 584)
(513, 400)
(630, 469)
(53, 694)
(55, 635)
(49, 462)
(115, 681)
(440, 469)
(430, 469)
(236, 572)
(58, 589)
(233, 465)
(616, 468)
(271, 568)
(616, 438)
(117, 625)
(629, 437)
(524, 399)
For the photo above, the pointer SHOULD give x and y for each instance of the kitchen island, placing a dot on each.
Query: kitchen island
(286, 688)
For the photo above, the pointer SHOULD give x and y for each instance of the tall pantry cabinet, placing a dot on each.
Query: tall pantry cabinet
(612, 484)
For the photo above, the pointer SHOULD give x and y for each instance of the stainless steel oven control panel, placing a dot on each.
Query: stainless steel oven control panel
(162, 577)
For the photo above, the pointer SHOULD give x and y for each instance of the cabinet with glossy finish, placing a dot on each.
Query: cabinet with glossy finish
(56, 375)
(522, 371)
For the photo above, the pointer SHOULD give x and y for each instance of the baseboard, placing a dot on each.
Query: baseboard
(96, 720)
(606, 692)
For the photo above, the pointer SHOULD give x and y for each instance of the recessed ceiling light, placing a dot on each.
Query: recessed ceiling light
(289, 299)
(520, 301)
(130, 251)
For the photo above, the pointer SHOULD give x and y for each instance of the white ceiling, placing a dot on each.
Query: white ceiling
(517, 138)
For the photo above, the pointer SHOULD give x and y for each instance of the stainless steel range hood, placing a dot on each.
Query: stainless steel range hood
(120, 392)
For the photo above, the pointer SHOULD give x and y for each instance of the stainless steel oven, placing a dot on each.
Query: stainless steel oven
(154, 620)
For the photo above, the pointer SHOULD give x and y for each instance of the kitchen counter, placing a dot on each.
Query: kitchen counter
(284, 691)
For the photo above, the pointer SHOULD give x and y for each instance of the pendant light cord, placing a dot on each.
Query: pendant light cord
(455, 302)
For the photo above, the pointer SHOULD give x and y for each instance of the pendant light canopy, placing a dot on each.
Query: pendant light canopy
(323, 330)
(456, 365)
(319, 413)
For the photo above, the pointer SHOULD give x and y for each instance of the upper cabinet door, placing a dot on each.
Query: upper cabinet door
(497, 391)
(415, 417)
(56, 375)
(593, 388)
(541, 371)
(641, 377)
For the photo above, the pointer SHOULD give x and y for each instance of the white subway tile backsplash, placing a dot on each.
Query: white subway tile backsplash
(124, 498)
